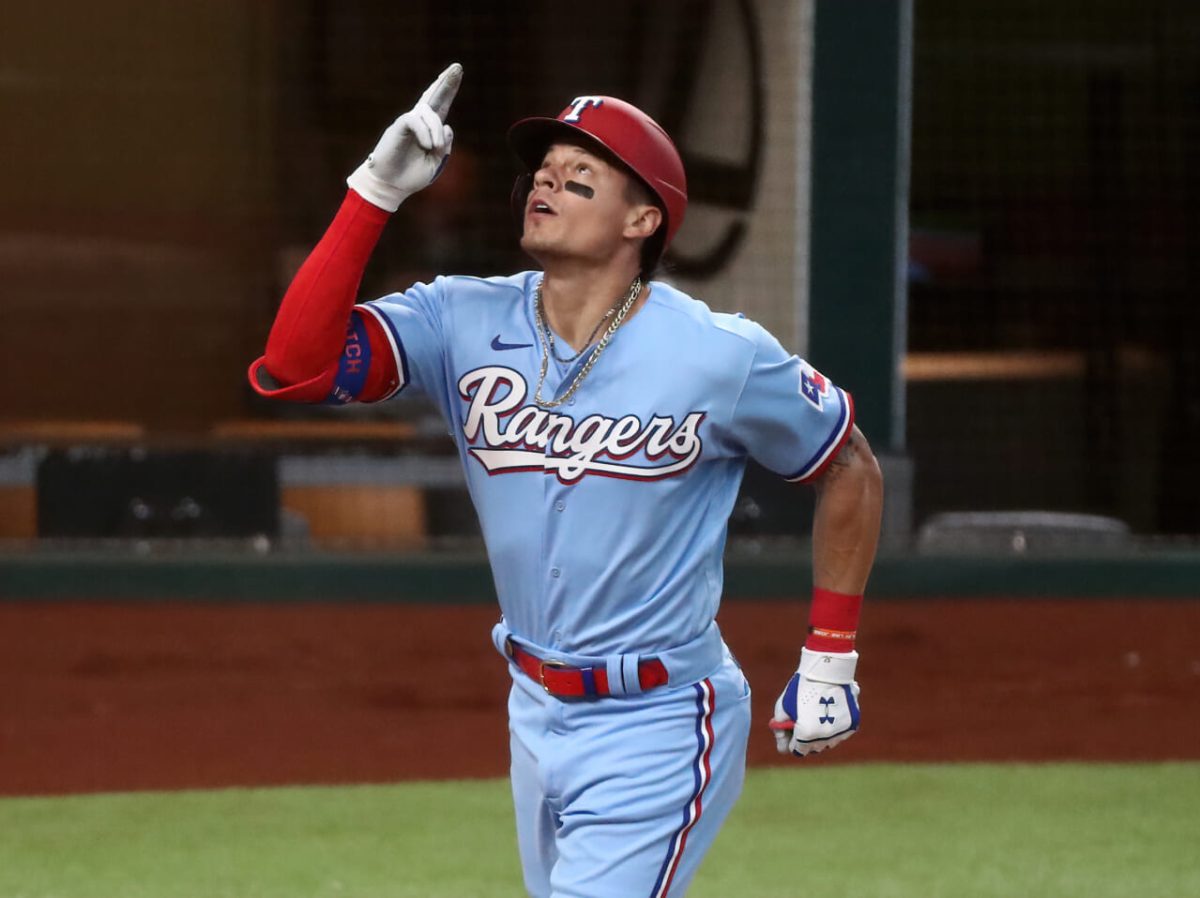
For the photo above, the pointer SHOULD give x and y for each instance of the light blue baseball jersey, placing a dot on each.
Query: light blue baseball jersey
(605, 519)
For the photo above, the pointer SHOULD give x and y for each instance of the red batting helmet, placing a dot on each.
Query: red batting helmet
(626, 133)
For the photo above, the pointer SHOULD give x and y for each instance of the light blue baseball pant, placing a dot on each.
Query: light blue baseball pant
(621, 797)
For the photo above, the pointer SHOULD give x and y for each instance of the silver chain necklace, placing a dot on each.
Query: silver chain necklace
(546, 338)
(586, 343)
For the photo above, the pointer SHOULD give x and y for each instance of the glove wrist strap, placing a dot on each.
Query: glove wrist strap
(376, 191)
(827, 667)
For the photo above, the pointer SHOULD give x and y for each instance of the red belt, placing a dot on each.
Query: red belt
(564, 681)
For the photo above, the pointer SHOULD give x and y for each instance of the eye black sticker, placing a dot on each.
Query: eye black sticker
(581, 189)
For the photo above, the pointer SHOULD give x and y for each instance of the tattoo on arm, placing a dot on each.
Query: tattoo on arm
(846, 456)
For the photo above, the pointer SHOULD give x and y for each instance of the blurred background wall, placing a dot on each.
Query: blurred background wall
(168, 165)
(1054, 206)
(136, 205)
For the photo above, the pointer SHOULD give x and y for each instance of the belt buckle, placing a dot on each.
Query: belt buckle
(542, 665)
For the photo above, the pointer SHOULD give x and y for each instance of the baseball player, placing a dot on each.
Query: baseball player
(603, 421)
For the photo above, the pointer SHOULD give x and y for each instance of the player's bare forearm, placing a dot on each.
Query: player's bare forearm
(846, 522)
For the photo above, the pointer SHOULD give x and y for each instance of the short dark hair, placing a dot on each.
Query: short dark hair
(636, 192)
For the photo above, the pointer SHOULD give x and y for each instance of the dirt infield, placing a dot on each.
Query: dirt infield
(98, 697)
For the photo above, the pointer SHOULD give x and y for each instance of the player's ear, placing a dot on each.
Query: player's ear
(642, 221)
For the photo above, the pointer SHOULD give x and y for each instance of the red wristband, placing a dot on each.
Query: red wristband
(833, 621)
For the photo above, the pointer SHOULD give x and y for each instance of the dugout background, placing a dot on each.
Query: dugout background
(168, 165)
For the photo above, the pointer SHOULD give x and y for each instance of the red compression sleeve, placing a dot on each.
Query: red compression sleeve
(833, 621)
(309, 332)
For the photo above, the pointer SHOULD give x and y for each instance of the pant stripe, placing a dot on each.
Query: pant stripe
(705, 702)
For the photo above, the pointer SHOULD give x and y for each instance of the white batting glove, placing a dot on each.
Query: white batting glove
(819, 707)
(413, 149)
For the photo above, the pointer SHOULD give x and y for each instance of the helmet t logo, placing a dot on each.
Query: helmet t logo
(579, 104)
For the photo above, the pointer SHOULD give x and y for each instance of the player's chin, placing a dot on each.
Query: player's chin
(542, 246)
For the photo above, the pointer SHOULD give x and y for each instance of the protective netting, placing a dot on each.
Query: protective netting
(168, 167)
(171, 167)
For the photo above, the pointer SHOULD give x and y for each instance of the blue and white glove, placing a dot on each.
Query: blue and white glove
(413, 149)
(819, 707)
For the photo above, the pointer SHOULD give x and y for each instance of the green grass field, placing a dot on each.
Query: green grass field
(892, 831)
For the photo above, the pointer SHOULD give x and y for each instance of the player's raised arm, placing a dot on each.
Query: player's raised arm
(819, 707)
(313, 343)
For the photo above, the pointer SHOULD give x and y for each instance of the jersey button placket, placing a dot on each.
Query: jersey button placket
(553, 490)
(551, 533)
(554, 505)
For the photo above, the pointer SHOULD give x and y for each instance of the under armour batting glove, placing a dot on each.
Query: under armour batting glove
(819, 707)
(413, 149)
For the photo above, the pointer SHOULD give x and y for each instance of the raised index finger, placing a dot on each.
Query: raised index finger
(442, 92)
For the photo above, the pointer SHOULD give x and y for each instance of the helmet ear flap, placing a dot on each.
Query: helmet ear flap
(520, 193)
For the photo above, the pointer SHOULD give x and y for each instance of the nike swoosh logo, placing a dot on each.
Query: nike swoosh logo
(500, 346)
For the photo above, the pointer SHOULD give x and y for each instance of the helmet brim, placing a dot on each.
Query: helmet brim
(531, 137)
